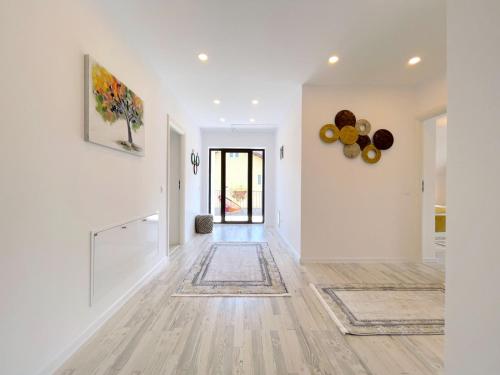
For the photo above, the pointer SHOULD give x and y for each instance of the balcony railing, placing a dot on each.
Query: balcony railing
(232, 199)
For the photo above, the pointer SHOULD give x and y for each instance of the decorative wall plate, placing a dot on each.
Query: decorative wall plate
(348, 135)
(363, 126)
(363, 141)
(345, 118)
(371, 154)
(352, 151)
(383, 139)
(355, 135)
(323, 133)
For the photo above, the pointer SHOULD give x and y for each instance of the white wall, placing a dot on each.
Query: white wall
(56, 188)
(174, 219)
(227, 138)
(288, 175)
(472, 277)
(431, 98)
(352, 210)
(441, 160)
(429, 195)
(434, 176)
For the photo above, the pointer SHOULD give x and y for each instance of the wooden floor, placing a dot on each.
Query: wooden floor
(158, 334)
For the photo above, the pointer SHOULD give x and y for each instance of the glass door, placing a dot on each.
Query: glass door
(257, 186)
(241, 173)
(235, 179)
(215, 196)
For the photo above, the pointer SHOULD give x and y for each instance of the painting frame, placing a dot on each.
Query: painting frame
(113, 113)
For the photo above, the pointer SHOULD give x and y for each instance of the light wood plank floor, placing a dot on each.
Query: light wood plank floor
(158, 334)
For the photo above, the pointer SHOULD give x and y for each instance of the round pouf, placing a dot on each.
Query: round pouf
(204, 223)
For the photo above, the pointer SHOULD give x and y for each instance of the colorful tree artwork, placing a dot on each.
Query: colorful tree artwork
(116, 106)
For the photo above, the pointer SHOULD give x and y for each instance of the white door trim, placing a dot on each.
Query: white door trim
(174, 126)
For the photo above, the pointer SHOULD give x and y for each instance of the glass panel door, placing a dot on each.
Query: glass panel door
(237, 179)
(215, 184)
(236, 186)
(257, 186)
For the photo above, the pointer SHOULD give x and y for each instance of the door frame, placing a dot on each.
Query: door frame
(249, 151)
(175, 127)
(428, 252)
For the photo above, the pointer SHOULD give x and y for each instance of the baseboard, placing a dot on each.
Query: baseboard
(290, 247)
(430, 260)
(101, 320)
(305, 260)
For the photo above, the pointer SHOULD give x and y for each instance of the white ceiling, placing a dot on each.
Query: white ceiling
(266, 49)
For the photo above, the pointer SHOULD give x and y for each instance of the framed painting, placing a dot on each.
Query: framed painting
(114, 114)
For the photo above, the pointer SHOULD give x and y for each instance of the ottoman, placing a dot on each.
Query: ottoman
(204, 223)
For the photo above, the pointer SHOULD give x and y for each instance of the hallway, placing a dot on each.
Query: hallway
(155, 333)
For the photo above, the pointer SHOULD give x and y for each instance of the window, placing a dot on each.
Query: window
(259, 179)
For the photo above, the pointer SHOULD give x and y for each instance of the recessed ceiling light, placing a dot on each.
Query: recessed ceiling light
(222, 119)
(216, 101)
(255, 101)
(414, 60)
(252, 120)
(333, 59)
(203, 57)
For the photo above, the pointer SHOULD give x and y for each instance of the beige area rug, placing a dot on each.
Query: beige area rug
(384, 309)
(234, 269)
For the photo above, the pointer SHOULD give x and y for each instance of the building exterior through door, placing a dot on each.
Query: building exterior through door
(242, 173)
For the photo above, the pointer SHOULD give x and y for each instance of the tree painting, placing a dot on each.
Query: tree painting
(115, 101)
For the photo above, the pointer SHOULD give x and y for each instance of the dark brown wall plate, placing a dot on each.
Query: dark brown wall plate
(363, 141)
(345, 118)
(383, 139)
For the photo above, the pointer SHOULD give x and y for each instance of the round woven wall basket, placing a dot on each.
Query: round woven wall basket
(329, 128)
(352, 151)
(345, 118)
(383, 139)
(371, 154)
(348, 135)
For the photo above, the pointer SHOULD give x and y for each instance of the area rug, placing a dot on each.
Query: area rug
(384, 309)
(234, 269)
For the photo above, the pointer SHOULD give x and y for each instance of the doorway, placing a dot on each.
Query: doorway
(434, 208)
(175, 177)
(242, 174)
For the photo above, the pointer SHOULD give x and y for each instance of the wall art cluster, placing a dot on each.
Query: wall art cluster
(113, 112)
(355, 135)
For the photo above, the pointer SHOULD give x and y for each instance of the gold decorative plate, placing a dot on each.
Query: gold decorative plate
(324, 131)
(368, 158)
(348, 135)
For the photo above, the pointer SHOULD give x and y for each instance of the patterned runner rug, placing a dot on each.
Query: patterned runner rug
(234, 269)
(384, 309)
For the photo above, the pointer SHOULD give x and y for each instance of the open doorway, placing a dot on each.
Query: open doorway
(434, 189)
(175, 201)
(242, 174)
